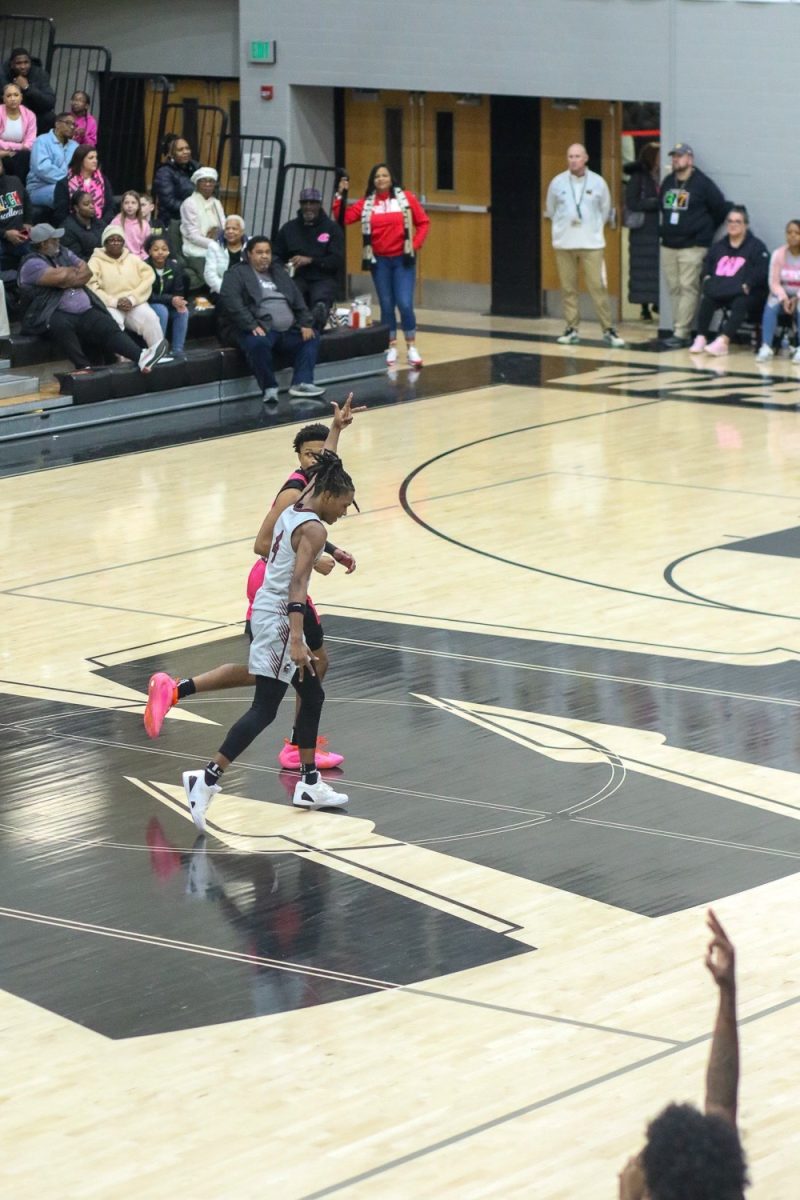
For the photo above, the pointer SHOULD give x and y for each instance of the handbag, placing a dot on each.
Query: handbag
(632, 219)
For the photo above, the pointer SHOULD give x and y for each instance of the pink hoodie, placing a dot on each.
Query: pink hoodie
(28, 129)
(135, 235)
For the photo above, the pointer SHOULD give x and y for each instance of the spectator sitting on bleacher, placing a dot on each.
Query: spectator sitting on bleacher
(135, 229)
(58, 305)
(30, 76)
(85, 124)
(226, 251)
(15, 216)
(168, 298)
(82, 230)
(124, 283)
(784, 292)
(149, 214)
(84, 175)
(202, 221)
(50, 158)
(734, 277)
(312, 247)
(262, 312)
(172, 183)
(17, 132)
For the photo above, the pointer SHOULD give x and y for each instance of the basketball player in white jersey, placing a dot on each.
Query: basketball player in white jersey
(279, 654)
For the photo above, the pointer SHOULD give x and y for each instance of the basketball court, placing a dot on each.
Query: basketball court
(564, 678)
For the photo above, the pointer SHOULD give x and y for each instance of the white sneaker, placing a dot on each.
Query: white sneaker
(153, 354)
(569, 337)
(612, 338)
(198, 795)
(391, 356)
(317, 795)
(765, 353)
(414, 357)
(270, 396)
(796, 355)
(306, 390)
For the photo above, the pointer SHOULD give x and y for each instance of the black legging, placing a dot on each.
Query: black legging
(262, 712)
(739, 308)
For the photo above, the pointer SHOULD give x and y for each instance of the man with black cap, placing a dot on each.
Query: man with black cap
(692, 209)
(312, 249)
(58, 304)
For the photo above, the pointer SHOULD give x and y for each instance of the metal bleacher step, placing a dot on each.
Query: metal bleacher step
(18, 385)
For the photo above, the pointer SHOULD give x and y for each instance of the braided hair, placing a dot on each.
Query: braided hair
(328, 475)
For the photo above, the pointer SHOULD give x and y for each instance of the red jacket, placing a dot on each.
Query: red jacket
(387, 223)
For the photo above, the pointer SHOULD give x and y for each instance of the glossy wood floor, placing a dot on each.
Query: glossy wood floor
(565, 682)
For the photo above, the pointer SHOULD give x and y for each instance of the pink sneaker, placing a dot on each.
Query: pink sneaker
(719, 347)
(289, 757)
(162, 694)
(698, 345)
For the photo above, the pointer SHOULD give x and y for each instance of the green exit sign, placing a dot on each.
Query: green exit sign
(262, 52)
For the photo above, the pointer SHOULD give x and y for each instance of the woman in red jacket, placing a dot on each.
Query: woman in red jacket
(393, 227)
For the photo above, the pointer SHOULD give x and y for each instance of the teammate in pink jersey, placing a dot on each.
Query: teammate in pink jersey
(164, 692)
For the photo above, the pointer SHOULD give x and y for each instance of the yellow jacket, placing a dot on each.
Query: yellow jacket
(116, 279)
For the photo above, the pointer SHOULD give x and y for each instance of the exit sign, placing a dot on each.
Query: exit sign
(262, 52)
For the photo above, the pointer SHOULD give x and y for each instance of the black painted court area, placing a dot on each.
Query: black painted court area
(118, 919)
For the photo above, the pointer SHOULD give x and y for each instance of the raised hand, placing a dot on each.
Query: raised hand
(342, 417)
(720, 956)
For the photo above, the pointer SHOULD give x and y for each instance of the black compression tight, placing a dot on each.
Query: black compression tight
(262, 712)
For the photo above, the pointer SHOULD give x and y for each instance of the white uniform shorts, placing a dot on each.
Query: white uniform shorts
(269, 652)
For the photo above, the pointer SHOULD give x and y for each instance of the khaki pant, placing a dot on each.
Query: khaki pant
(568, 262)
(682, 273)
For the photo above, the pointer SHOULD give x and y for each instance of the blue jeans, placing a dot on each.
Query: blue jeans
(291, 346)
(180, 323)
(394, 283)
(769, 321)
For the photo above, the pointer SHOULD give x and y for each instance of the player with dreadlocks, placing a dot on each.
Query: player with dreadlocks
(279, 654)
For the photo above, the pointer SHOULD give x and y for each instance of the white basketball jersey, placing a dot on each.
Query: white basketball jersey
(273, 595)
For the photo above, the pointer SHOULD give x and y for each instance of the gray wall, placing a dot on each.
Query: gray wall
(712, 65)
(178, 37)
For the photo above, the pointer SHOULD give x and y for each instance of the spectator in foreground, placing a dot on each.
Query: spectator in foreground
(689, 1155)
(58, 305)
(224, 252)
(15, 217)
(784, 288)
(312, 248)
(17, 132)
(124, 283)
(735, 273)
(37, 94)
(84, 175)
(202, 222)
(50, 158)
(85, 124)
(262, 312)
(131, 221)
(168, 297)
(82, 231)
(692, 209)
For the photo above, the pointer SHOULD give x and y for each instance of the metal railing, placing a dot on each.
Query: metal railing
(250, 182)
(131, 105)
(36, 34)
(205, 127)
(77, 68)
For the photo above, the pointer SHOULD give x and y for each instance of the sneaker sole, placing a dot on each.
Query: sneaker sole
(153, 717)
(327, 804)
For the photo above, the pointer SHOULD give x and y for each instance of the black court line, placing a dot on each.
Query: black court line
(669, 578)
(525, 1110)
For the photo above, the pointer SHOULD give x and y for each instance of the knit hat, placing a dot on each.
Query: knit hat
(204, 173)
(111, 231)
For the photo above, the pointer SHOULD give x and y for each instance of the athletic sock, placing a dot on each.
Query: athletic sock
(310, 773)
(213, 774)
(293, 738)
(186, 688)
